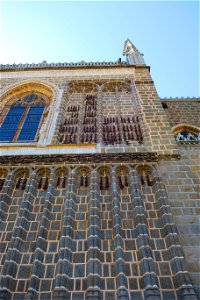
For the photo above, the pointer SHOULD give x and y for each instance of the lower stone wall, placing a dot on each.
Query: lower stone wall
(182, 181)
(92, 231)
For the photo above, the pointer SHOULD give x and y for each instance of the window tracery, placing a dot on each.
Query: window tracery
(21, 119)
(187, 137)
(186, 134)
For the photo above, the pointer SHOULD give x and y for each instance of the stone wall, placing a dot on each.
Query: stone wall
(101, 217)
(183, 111)
(182, 181)
(113, 87)
(89, 231)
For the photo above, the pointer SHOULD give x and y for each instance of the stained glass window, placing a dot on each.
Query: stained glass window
(30, 126)
(22, 120)
(10, 124)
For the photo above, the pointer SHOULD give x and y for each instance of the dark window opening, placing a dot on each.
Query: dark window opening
(104, 183)
(2, 180)
(61, 182)
(21, 183)
(84, 181)
(123, 181)
(43, 183)
(164, 105)
(145, 180)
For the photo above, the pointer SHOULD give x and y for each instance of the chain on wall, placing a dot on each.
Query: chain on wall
(81, 123)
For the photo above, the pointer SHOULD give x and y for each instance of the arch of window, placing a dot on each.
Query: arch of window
(145, 175)
(104, 178)
(61, 178)
(122, 177)
(43, 177)
(83, 177)
(22, 118)
(21, 179)
(185, 133)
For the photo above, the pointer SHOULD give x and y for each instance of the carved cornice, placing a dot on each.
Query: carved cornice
(179, 99)
(45, 65)
(144, 82)
(65, 65)
(85, 158)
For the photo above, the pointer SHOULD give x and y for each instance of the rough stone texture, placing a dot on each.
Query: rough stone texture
(183, 111)
(110, 214)
(182, 181)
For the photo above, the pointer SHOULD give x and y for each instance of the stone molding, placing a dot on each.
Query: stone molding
(87, 158)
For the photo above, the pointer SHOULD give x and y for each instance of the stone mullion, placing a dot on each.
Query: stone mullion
(41, 244)
(139, 109)
(99, 116)
(64, 265)
(118, 242)
(142, 240)
(13, 256)
(80, 119)
(64, 98)
(119, 116)
(170, 232)
(5, 195)
(93, 268)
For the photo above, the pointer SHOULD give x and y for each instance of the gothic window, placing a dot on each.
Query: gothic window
(43, 183)
(23, 119)
(21, 183)
(145, 179)
(145, 175)
(61, 182)
(83, 181)
(123, 181)
(104, 182)
(186, 134)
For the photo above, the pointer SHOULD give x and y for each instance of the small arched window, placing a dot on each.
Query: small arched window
(22, 119)
(186, 134)
(145, 175)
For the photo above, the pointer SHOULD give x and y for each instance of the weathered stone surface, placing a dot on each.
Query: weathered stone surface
(104, 204)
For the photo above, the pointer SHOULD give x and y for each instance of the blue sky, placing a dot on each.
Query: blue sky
(166, 32)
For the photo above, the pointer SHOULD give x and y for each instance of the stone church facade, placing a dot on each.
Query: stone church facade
(99, 183)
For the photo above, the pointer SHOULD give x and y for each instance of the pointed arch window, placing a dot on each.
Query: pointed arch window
(23, 119)
(185, 134)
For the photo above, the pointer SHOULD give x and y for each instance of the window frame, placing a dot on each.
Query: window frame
(24, 100)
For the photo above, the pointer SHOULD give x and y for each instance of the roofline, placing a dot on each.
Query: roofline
(56, 66)
(180, 99)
